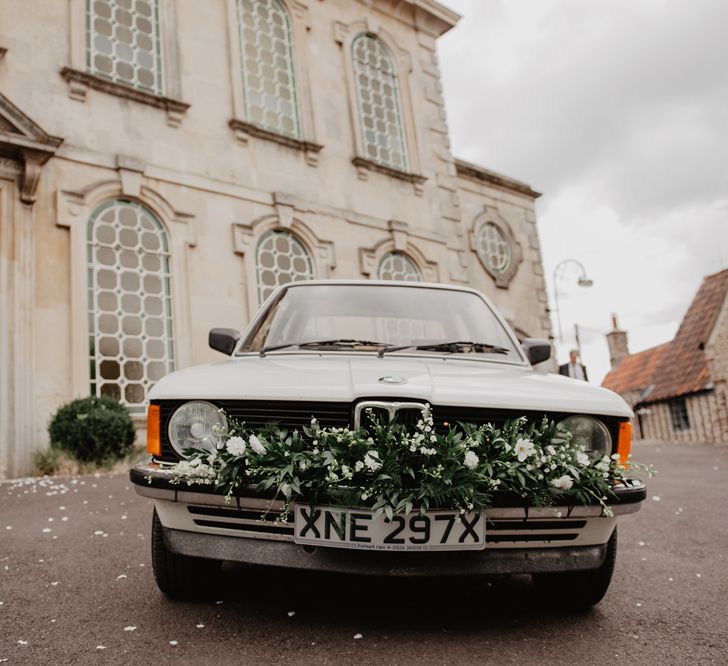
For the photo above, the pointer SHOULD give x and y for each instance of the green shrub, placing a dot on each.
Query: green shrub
(96, 430)
(47, 462)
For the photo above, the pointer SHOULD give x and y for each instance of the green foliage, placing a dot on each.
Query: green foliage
(394, 471)
(97, 430)
(47, 462)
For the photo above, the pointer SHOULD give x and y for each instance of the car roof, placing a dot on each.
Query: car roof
(380, 283)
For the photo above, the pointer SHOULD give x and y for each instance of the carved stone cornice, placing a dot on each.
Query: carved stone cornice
(79, 82)
(363, 165)
(24, 140)
(245, 129)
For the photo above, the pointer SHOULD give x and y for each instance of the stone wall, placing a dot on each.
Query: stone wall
(217, 187)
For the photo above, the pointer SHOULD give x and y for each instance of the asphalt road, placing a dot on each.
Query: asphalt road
(76, 587)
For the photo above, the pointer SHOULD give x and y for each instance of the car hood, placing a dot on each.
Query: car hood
(341, 377)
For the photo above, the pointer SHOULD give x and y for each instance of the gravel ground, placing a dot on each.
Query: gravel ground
(76, 587)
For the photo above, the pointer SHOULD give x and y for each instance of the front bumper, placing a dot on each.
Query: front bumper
(198, 522)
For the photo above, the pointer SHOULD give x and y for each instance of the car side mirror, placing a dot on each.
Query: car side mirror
(223, 340)
(537, 350)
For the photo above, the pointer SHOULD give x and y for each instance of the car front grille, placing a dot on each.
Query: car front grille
(296, 414)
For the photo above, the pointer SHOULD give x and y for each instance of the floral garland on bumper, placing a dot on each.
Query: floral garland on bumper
(392, 470)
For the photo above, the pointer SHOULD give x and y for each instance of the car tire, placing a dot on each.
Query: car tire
(180, 576)
(578, 590)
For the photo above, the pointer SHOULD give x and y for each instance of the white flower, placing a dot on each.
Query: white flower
(615, 456)
(582, 458)
(563, 482)
(235, 446)
(524, 448)
(551, 450)
(256, 445)
(286, 489)
(371, 461)
(358, 466)
(471, 460)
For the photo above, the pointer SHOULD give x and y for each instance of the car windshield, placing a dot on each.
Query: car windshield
(345, 317)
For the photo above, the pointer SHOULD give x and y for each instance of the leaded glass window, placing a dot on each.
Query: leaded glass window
(378, 102)
(679, 414)
(494, 249)
(123, 42)
(281, 258)
(129, 302)
(398, 266)
(267, 63)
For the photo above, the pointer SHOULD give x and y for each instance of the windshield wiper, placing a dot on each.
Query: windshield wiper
(451, 347)
(312, 344)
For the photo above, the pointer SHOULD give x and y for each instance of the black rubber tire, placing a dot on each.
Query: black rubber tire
(180, 576)
(578, 590)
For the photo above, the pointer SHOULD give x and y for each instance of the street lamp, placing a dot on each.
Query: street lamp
(582, 281)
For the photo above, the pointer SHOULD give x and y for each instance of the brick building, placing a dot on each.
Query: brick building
(679, 389)
(164, 164)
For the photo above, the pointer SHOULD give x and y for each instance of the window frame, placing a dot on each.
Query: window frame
(241, 125)
(277, 231)
(74, 208)
(344, 35)
(408, 260)
(80, 77)
(679, 415)
(95, 360)
(491, 215)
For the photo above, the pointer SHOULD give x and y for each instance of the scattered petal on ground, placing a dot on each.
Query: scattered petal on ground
(54, 583)
(641, 543)
(120, 576)
(291, 613)
(46, 530)
(655, 498)
(357, 637)
(173, 642)
(200, 626)
(639, 605)
(131, 627)
(698, 575)
(22, 642)
(100, 647)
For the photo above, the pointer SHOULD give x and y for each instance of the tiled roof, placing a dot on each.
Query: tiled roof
(637, 371)
(677, 367)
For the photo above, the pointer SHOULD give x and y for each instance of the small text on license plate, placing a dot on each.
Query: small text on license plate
(361, 529)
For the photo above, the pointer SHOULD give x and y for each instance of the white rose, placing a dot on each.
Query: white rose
(235, 446)
(370, 460)
(256, 445)
(471, 460)
(563, 482)
(582, 458)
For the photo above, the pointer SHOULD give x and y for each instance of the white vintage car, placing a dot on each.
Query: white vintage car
(332, 350)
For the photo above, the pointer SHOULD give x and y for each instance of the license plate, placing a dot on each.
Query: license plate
(359, 528)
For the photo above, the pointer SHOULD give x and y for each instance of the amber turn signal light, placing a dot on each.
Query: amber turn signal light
(624, 442)
(154, 443)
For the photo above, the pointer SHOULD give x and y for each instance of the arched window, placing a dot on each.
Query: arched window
(129, 302)
(281, 258)
(378, 102)
(398, 266)
(267, 62)
(494, 248)
(123, 42)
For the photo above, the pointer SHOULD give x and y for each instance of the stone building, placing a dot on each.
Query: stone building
(679, 389)
(165, 163)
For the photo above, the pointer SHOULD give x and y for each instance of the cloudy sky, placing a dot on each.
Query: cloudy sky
(618, 112)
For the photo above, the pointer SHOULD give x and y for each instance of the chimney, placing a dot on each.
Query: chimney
(617, 343)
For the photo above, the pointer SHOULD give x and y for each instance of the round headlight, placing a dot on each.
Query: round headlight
(590, 433)
(196, 425)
